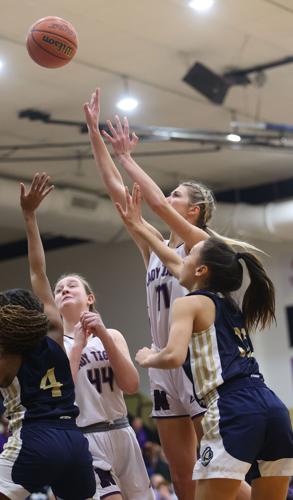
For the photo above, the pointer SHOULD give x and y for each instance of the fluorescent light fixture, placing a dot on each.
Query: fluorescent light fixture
(127, 104)
(233, 137)
(201, 5)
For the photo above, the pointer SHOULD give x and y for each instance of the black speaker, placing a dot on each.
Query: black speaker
(208, 83)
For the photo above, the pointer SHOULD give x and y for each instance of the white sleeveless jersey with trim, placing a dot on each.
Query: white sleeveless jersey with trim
(224, 351)
(162, 289)
(97, 394)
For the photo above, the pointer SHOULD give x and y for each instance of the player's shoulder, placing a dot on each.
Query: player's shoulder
(116, 334)
(193, 302)
(118, 337)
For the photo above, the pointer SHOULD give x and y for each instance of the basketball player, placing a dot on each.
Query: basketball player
(245, 423)
(102, 369)
(46, 447)
(187, 211)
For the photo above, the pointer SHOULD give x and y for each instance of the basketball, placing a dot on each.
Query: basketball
(52, 42)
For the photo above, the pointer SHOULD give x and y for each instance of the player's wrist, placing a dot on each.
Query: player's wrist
(29, 214)
(124, 157)
(102, 332)
(79, 344)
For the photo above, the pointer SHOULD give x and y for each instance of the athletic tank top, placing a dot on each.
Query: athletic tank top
(222, 352)
(97, 394)
(43, 388)
(162, 289)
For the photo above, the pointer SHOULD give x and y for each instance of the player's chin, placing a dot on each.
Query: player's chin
(66, 303)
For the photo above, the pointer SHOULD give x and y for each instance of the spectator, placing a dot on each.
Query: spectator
(140, 431)
(290, 490)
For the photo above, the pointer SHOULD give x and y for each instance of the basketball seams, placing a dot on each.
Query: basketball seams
(45, 50)
(54, 34)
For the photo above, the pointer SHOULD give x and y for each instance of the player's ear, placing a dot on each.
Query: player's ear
(201, 270)
(91, 299)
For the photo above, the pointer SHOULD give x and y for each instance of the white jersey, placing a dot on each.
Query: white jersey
(97, 394)
(162, 290)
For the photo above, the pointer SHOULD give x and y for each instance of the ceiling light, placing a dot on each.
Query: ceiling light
(127, 104)
(233, 137)
(1, 64)
(201, 5)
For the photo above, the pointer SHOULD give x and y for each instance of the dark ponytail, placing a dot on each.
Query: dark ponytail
(226, 275)
(258, 304)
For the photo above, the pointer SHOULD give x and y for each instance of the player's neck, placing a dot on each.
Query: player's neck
(174, 240)
(68, 326)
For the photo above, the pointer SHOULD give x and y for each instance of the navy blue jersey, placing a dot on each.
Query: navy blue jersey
(2, 408)
(43, 388)
(222, 352)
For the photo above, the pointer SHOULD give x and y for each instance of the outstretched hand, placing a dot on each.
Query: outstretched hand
(92, 112)
(123, 143)
(38, 190)
(131, 215)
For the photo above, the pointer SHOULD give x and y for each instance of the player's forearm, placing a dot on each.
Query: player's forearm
(107, 169)
(168, 256)
(126, 375)
(151, 192)
(74, 360)
(36, 253)
(164, 359)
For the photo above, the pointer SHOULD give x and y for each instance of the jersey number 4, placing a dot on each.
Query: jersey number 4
(49, 382)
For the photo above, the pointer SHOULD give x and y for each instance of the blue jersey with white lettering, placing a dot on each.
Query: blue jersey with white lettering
(222, 352)
(43, 388)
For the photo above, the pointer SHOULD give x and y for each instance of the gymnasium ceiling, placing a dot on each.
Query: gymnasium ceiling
(153, 43)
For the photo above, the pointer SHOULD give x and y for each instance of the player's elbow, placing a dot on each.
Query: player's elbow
(132, 385)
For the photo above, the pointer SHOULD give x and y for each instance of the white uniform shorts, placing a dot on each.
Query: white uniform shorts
(173, 394)
(118, 465)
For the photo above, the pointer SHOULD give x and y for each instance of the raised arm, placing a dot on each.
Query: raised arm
(175, 352)
(152, 194)
(106, 167)
(30, 201)
(131, 217)
(126, 374)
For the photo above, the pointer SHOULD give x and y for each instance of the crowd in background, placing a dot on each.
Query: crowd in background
(154, 458)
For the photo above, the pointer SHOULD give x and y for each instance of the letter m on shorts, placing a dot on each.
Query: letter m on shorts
(161, 402)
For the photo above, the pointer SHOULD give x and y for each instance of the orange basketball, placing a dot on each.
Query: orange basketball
(52, 42)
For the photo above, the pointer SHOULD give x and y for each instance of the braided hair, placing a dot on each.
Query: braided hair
(201, 195)
(22, 321)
